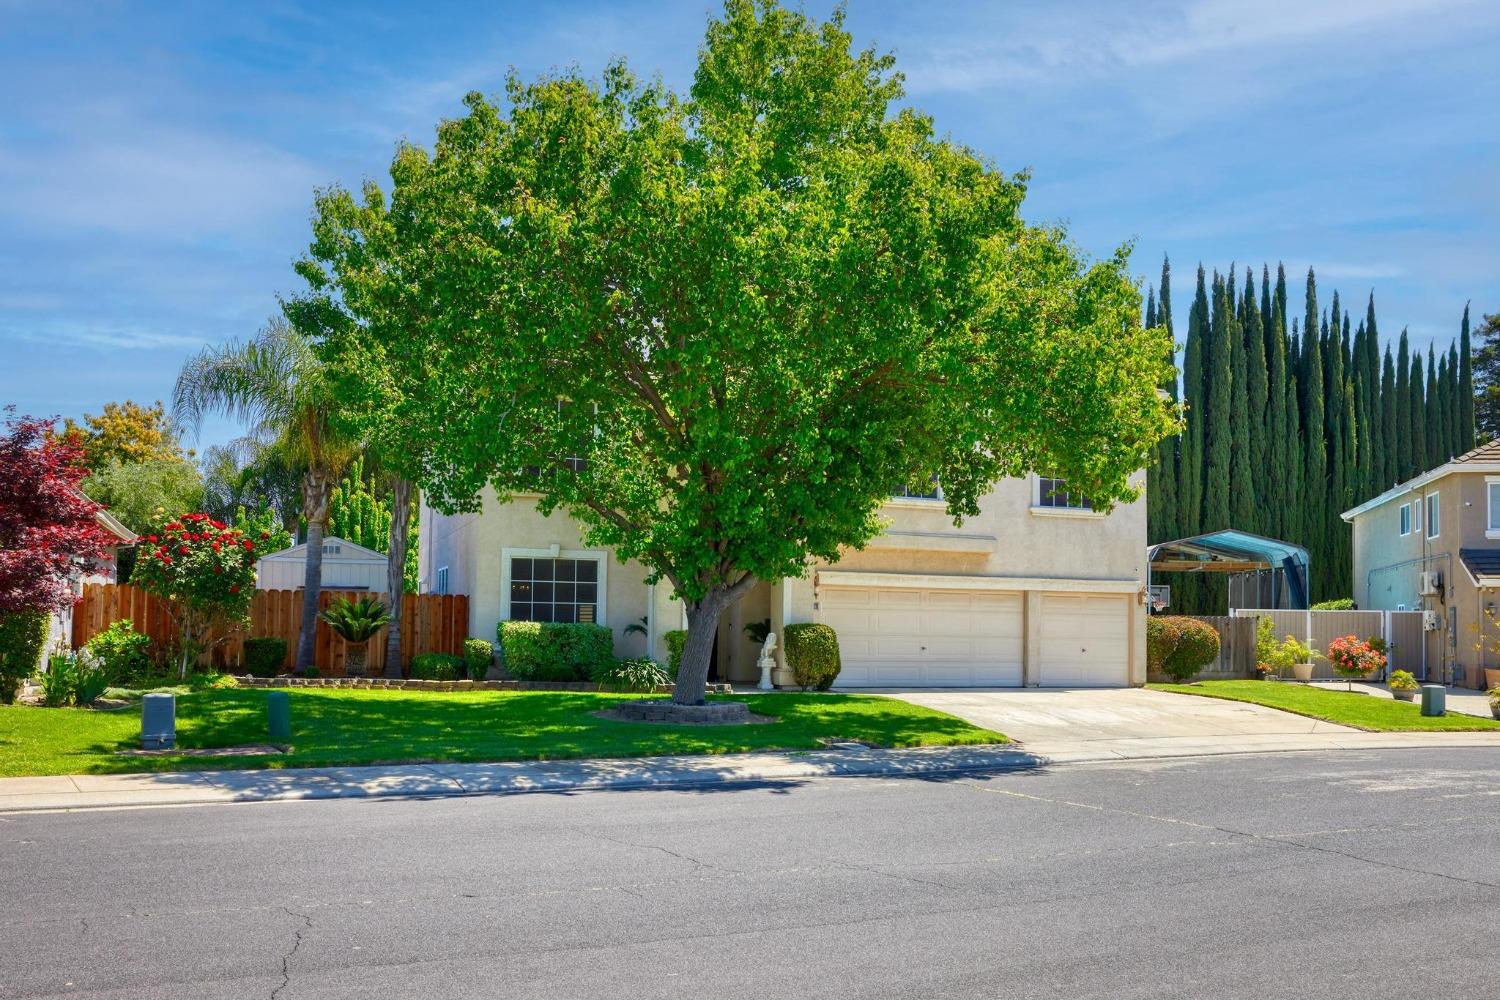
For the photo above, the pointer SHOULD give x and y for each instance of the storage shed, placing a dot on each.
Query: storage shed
(346, 566)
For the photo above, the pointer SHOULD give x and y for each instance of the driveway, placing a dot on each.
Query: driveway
(1057, 721)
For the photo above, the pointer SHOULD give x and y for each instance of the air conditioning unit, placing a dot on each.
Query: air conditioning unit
(1430, 583)
(1430, 620)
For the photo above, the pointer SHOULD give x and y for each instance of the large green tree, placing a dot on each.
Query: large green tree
(719, 329)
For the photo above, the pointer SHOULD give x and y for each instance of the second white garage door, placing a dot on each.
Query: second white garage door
(1085, 641)
(925, 638)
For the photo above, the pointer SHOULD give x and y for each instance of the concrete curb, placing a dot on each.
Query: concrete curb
(66, 793)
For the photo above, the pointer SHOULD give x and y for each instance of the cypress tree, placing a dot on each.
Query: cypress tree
(1441, 415)
(1190, 462)
(1294, 522)
(1404, 455)
(1257, 390)
(1371, 422)
(1219, 432)
(1455, 445)
(1281, 296)
(1283, 445)
(1315, 474)
(1243, 467)
(1388, 422)
(1167, 449)
(1364, 473)
(1432, 414)
(1465, 386)
(1417, 408)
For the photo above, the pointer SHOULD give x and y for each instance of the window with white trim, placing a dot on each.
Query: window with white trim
(1493, 490)
(441, 584)
(554, 590)
(1053, 493)
(1434, 525)
(1406, 519)
(935, 492)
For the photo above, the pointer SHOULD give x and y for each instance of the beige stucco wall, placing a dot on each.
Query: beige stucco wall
(1009, 538)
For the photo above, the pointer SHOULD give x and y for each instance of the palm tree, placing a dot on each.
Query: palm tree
(276, 383)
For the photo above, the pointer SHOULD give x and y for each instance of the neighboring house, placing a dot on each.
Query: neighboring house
(1037, 590)
(346, 566)
(103, 570)
(1432, 544)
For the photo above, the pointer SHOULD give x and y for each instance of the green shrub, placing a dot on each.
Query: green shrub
(264, 656)
(58, 681)
(638, 673)
(555, 651)
(121, 652)
(675, 640)
(812, 654)
(1337, 604)
(1403, 680)
(1179, 647)
(1162, 635)
(90, 678)
(22, 636)
(437, 667)
(478, 655)
(1197, 647)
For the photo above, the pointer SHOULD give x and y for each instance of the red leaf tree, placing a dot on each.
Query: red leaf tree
(47, 527)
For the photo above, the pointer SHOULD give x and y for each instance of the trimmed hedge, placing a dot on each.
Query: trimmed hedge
(264, 656)
(1337, 604)
(478, 655)
(812, 654)
(1179, 647)
(675, 640)
(437, 667)
(22, 636)
(555, 651)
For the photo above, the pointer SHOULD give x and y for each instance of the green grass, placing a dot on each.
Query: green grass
(1361, 711)
(374, 727)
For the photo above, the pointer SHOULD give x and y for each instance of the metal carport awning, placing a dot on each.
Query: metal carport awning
(1279, 568)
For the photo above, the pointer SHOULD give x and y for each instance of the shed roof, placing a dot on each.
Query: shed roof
(348, 551)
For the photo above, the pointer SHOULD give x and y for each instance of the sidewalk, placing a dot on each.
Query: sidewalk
(62, 793)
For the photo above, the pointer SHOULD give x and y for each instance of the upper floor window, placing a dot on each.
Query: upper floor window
(933, 492)
(1053, 493)
(1492, 526)
(1406, 519)
(441, 585)
(1433, 525)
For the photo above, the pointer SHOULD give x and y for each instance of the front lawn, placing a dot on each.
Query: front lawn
(331, 726)
(1362, 711)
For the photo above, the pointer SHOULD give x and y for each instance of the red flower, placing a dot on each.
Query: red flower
(151, 538)
(249, 545)
(234, 589)
(216, 546)
(183, 549)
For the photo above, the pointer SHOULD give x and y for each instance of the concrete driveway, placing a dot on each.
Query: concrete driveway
(1127, 720)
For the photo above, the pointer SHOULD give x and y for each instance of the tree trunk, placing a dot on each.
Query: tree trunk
(316, 487)
(703, 626)
(395, 571)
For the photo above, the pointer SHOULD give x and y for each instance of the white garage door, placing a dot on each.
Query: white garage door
(925, 638)
(1085, 641)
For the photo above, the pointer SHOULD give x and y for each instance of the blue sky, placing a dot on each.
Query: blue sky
(158, 160)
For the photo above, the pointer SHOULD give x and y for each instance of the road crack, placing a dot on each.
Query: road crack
(286, 960)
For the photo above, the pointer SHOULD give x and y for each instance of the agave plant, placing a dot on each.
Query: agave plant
(355, 622)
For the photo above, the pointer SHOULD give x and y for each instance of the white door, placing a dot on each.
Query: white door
(1085, 641)
(925, 638)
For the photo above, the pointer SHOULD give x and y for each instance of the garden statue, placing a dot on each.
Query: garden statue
(767, 662)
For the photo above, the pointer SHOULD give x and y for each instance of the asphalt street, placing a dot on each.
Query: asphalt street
(1349, 874)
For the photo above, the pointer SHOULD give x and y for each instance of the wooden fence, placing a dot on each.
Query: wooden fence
(430, 623)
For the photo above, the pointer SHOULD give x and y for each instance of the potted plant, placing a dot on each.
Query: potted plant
(1494, 694)
(1353, 657)
(356, 622)
(1294, 656)
(1403, 685)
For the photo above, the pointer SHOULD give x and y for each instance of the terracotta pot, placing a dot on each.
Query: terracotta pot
(1404, 694)
(1302, 672)
(1491, 678)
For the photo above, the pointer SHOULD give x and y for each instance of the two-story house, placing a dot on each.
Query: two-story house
(1432, 544)
(1038, 590)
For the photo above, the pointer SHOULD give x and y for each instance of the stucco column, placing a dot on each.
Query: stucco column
(1031, 647)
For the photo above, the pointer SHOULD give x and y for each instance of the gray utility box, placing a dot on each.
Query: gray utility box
(1434, 699)
(158, 722)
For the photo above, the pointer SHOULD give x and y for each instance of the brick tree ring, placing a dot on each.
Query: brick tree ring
(718, 713)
